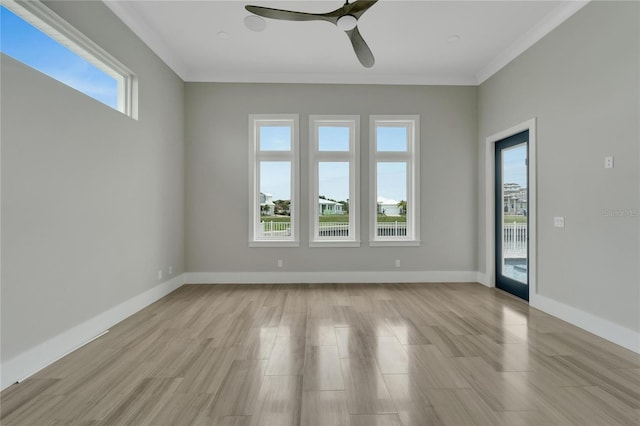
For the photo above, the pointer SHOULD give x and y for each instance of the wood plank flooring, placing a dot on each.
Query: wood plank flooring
(352, 355)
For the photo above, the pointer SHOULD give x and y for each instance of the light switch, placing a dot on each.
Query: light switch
(558, 222)
(608, 162)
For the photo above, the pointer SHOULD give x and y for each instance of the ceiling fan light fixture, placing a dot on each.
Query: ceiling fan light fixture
(347, 22)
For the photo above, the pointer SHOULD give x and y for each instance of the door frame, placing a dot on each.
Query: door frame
(489, 214)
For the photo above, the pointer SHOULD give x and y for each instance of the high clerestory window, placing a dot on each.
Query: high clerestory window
(34, 35)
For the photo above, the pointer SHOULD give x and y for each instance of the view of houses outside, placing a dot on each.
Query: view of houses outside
(333, 190)
(391, 181)
(515, 200)
(334, 216)
(515, 214)
(333, 184)
(514, 234)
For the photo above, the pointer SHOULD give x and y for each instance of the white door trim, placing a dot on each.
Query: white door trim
(489, 227)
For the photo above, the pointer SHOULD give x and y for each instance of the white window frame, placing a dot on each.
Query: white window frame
(352, 157)
(47, 21)
(412, 159)
(255, 157)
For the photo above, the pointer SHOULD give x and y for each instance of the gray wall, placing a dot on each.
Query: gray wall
(217, 175)
(582, 84)
(92, 201)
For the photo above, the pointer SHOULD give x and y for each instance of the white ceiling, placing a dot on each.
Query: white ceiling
(409, 39)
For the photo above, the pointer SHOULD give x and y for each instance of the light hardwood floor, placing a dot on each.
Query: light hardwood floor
(360, 355)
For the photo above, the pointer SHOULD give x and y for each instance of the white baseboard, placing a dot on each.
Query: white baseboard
(483, 279)
(601, 327)
(38, 357)
(330, 277)
(35, 359)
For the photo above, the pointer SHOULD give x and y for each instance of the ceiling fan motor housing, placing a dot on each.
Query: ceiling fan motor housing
(347, 22)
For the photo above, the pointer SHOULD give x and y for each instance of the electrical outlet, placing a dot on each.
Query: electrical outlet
(280, 263)
(397, 263)
(159, 274)
(170, 270)
(558, 222)
(608, 162)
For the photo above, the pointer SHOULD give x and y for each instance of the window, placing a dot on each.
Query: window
(394, 177)
(34, 35)
(334, 186)
(274, 177)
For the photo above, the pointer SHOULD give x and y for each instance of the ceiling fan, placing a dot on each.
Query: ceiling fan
(345, 18)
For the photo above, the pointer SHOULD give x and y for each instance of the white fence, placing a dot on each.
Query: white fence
(274, 230)
(392, 229)
(514, 235)
(514, 240)
(333, 229)
(278, 230)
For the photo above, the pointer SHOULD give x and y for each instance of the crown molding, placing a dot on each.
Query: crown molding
(127, 13)
(333, 78)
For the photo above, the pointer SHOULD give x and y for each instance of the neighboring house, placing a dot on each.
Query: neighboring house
(328, 207)
(388, 207)
(515, 205)
(267, 206)
(515, 199)
(510, 188)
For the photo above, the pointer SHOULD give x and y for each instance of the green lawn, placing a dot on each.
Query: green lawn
(345, 218)
(275, 219)
(334, 218)
(517, 219)
(383, 218)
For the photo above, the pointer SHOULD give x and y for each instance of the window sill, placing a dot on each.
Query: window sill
(334, 243)
(274, 243)
(394, 243)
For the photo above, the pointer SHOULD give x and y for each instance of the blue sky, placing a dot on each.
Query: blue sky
(275, 138)
(514, 168)
(391, 139)
(392, 181)
(392, 176)
(333, 138)
(333, 176)
(333, 180)
(27, 44)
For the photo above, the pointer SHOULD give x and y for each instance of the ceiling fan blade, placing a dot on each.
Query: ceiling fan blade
(360, 47)
(358, 7)
(290, 15)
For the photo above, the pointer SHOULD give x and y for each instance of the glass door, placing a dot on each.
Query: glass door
(512, 218)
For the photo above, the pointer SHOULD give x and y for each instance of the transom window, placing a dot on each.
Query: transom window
(34, 35)
(334, 180)
(274, 176)
(394, 177)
